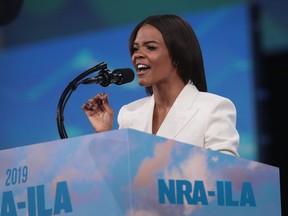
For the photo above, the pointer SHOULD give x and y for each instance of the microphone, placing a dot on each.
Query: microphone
(106, 77)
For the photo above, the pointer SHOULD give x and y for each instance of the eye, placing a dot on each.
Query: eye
(151, 48)
(134, 49)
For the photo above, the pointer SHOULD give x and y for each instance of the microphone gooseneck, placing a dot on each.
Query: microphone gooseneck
(105, 78)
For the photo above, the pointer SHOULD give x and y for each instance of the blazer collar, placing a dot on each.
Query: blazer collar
(180, 113)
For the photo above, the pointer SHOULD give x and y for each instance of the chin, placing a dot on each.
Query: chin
(141, 83)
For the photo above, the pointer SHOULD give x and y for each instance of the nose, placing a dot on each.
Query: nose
(138, 55)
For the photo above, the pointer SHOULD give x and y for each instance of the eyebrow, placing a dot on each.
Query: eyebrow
(147, 42)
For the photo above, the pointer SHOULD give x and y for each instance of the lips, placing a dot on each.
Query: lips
(142, 68)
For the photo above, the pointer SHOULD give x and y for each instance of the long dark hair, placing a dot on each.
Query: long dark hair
(182, 45)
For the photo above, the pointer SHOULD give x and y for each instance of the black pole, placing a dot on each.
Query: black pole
(67, 93)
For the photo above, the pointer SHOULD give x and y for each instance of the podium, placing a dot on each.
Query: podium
(130, 173)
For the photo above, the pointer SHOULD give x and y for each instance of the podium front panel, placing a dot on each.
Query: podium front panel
(130, 173)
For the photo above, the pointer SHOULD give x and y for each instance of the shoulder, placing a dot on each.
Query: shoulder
(138, 106)
(208, 96)
(215, 108)
(211, 99)
(206, 100)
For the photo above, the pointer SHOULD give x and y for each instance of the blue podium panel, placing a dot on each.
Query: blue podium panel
(130, 173)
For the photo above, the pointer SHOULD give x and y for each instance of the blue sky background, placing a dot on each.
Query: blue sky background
(34, 76)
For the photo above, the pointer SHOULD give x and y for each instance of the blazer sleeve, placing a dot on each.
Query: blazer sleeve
(221, 133)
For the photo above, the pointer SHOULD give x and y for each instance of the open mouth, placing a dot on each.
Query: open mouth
(141, 68)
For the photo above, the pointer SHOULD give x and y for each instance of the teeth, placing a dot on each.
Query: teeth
(140, 66)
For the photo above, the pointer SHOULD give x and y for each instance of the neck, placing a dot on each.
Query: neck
(165, 96)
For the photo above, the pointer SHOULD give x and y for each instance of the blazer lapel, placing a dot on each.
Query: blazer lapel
(143, 118)
(180, 113)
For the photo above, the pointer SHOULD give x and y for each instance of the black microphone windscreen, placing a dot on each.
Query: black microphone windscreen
(125, 75)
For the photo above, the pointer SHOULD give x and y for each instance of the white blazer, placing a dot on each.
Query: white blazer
(199, 118)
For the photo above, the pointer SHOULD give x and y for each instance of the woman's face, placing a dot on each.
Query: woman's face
(151, 58)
